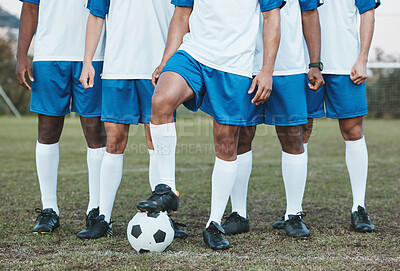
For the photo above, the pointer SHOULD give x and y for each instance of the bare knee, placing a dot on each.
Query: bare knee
(49, 129)
(291, 138)
(95, 134)
(117, 138)
(163, 106)
(226, 141)
(246, 136)
(307, 130)
(351, 129)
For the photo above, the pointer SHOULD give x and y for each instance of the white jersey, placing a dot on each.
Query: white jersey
(136, 35)
(339, 29)
(61, 31)
(290, 59)
(223, 33)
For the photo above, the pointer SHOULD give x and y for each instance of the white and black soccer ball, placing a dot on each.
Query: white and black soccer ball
(150, 232)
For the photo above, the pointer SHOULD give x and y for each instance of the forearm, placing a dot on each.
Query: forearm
(27, 27)
(271, 38)
(93, 34)
(366, 33)
(179, 26)
(312, 34)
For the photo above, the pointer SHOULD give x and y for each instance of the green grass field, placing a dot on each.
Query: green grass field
(332, 245)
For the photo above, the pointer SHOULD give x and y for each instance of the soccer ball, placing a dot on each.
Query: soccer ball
(150, 232)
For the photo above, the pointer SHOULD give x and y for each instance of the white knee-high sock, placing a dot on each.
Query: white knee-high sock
(164, 141)
(305, 147)
(357, 165)
(223, 179)
(110, 178)
(239, 190)
(294, 172)
(47, 158)
(154, 175)
(94, 160)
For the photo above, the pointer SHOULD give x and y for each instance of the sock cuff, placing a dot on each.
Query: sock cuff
(151, 152)
(227, 166)
(167, 129)
(47, 148)
(96, 151)
(356, 144)
(245, 157)
(294, 158)
(113, 155)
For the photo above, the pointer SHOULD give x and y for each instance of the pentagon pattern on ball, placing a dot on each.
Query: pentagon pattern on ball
(159, 236)
(136, 231)
(153, 215)
(144, 251)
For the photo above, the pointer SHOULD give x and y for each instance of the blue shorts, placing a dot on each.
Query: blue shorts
(220, 94)
(287, 105)
(127, 101)
(343, 99)
(57, 91)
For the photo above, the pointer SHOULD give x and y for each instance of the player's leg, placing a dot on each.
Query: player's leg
(51, 110)
(223, 178)
(93, 129)
(145, 94)
(347, 102)
(238, 222)
(47, 159)
(171, 91)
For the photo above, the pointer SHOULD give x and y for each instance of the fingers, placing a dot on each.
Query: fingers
(154, 77)
(30, 74)
(85, 81)
(257, 96)
(21, 79)
(91, 80)
(253, 87)
(360, 80)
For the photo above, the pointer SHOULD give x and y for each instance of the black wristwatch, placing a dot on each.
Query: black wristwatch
(318, 65)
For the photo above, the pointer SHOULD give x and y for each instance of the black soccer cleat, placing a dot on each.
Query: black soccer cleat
(96, 228)
(279, 224)
(295, 226)
(360, 220)
(48, 221)
(213, 237)
(178, 233)
(90, 218)
(236, 224)
(162, 199)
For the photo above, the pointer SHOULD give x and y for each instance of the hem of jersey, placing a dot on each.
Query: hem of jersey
(65, 58)
(49, 113)
(293, 123)
(333, 72)
(133, 122)
(353, 115)
(217, 67)
(285, 73)
(126, 77)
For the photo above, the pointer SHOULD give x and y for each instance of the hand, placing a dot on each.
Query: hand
(156, 74)
(315, 78)
(264, 82)
(359, 72)
(87, 76)
(24, 66)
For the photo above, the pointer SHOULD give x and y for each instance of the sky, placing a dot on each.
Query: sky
(386, 37)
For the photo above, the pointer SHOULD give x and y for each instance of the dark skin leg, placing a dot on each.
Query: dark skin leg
(94, 132)
(246, 136)
(291, 138)
(226, 141)
(117, 137)
(351, 128)
(49, 129)
(149, 141)
(170, 92)
(307, 130)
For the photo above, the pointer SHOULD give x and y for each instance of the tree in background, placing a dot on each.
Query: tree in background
(17, 94)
